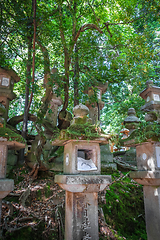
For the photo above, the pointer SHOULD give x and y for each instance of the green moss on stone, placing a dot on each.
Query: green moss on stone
(11, 135)
(85, 131)
(124, 208)
(81, 120)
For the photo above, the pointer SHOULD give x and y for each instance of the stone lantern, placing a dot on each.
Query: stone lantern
(9, 140)
(82, 181)
(131, 122)
(148, 174)
(148, 164)
(93, 107)
(7, 80)
(53, 109)
(151, 95)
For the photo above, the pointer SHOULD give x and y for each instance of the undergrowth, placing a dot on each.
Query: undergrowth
(124, 208)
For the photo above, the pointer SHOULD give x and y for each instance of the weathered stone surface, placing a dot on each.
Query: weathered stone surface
(85, 183)
(128, 156)
(71, 156)
(151, 95)
(82, 182)
(11, 160)
(152, 211)
(150, 178)
(3, 160)
(150, 106)
(131, 116)
(95, 107)
(150, 117)
(107, 158)
(53, 109)
(106, 155)
(12, 144)
(148, 156)
(148, 163)
(81, 219)
(80, 110)
(6, 186)
(131, 122)
(7, 79)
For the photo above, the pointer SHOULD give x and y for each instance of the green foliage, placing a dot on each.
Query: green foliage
(145, 131)
(119, 98)
(11, 134)
(84, 131)
(124, 209)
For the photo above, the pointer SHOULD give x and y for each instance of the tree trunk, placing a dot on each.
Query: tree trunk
(28, 79)
(76, 77)
(34, 50)
(25, 117)
(48, 93)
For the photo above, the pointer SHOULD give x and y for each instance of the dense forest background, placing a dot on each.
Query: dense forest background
(76, 45)
(63, 48)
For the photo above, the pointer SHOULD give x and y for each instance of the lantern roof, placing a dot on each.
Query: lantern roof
(102, 86)
(149, 89)
(11, 73)
(131, 117)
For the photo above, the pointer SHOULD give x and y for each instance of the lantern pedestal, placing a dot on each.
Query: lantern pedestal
(81, 204)
(6, 185)
(148, 174)
(151, 191)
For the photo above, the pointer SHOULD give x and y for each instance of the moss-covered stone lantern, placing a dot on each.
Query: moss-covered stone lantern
(131, 122)
(94, 108)
(9, 138)
(151, 95)
(81, 176)
(7, 80)
(146, 139)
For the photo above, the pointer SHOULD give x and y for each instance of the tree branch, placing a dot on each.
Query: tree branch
(17, 119)
(107, 24)
(86, 27)
(93, 12)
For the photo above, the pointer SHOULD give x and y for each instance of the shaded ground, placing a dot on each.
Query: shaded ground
(36, 209)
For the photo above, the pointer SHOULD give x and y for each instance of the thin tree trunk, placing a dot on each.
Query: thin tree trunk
(76, 77)
(27, 102)
(48, 93)
(25, 118)
(28, 79)
(33, 61)
(76, 63)
(66, 82)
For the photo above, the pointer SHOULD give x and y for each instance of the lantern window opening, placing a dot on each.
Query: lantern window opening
(86, 159)
(86, 154)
